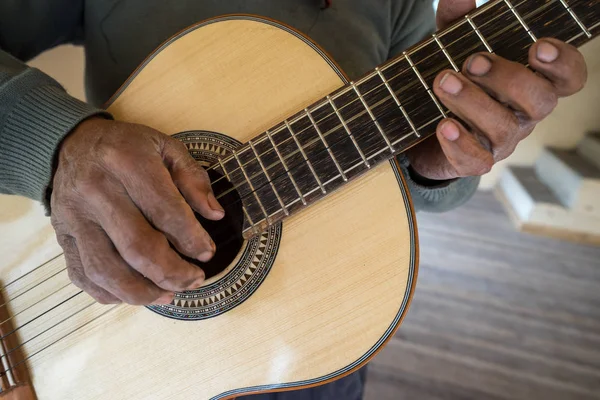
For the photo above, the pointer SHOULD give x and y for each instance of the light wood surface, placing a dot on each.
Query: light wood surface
(338, 281)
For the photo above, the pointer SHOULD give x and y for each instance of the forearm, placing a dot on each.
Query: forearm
(35, 115)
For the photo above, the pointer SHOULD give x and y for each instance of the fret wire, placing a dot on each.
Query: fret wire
(251, 186)
(305, 157)
(338, 166)
(435, 100)
(252, 225)
(467, 19)
(357, 165)
(389, 88)
(394, 62)
(335, 109)
(285, 211)
(485, 43)
(398, 141)
(364, 103)
(287, 170)
(441, 46)
(576, 18)
(523, 24)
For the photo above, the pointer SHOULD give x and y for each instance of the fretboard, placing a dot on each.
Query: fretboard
(390, 109)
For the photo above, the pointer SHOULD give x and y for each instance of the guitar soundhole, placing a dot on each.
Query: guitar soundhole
(226, 233)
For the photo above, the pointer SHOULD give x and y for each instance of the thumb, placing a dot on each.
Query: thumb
(449, 11)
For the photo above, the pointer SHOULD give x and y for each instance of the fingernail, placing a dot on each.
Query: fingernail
(451, 84)
(546, 52)
(450, 131)
(479, 65)
(206, 256)
(166, 298)
(214, 204)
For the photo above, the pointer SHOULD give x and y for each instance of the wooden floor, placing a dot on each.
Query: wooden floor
(497, 315)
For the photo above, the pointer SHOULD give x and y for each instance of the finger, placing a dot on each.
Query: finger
(471, 104)
(449, 11)
(463, 150)
(77, 274)
(513, 84)
(142, 247)
(105, 267)
(192, 180)
(561, 63)
(150, 186)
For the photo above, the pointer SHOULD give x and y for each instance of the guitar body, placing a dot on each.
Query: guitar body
(328, 286)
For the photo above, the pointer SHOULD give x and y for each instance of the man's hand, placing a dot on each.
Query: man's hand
(501, 102)
(120, 195)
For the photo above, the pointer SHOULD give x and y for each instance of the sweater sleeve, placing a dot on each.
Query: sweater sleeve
(415, 20)
(36, 113)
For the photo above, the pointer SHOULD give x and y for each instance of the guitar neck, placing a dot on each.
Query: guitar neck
(388, 110)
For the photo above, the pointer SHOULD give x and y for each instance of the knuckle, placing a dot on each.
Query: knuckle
(76, 277)
(96, 274)
(484, 165)
(139, 252)
(477, 165)
(504, 127)
(544, 105)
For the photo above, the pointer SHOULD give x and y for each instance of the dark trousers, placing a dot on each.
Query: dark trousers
(350, 387)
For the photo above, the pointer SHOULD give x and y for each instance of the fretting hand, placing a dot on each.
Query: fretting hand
(501, 102)
(113, 178)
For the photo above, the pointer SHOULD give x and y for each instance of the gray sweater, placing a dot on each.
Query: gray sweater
(36, 113)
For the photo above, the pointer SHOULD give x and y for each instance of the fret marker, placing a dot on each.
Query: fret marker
(523, 24)
(314, 124)
(337, 112)
(366, 106)
(389, 88)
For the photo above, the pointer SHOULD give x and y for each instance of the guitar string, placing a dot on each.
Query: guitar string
(63, 269)
(28, 273)
(34, 304)
(40, 315)
(31, 288)
(414, 82)
(58, 340)
(286, 157)
(236, 187)
(281, 128)
(251, 193)
(290, 169)
(46, 330)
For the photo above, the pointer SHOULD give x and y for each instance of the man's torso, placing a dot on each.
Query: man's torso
(119, 34)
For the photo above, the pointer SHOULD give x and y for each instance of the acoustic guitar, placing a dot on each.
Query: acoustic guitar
(317, 258)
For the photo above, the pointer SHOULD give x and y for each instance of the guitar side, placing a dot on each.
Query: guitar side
(344, 270)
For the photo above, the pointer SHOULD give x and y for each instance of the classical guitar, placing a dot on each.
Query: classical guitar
(317, 259)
